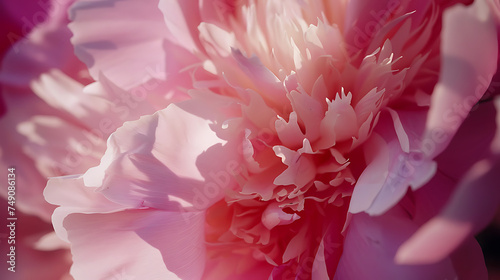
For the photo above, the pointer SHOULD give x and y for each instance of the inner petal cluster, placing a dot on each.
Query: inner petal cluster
(307, 103)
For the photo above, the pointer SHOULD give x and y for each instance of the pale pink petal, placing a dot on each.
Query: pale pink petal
(433, 242)
(262, 78)
(466, 70)
(86, 215)
(390, 170)
(105, 106)
(32, 201)
(301, 169)
(182, 19)
(159, 245)
(59, 147)
(37, 151)
(373, 177)
(289, 131)
(74, 197)
(274, 216)
(339, 118)
(403, 173)
(165, 161)
(102, 39)
(400, 131)
(216, 41)
(50, 242)
(100, 106)
(309, 112)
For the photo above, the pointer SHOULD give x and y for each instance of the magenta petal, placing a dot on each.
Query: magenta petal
(46, 46)
(370, 246)
(468, 261)
(470, 209)
(473, 202)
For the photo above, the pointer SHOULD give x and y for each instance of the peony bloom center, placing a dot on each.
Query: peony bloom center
(304, 97)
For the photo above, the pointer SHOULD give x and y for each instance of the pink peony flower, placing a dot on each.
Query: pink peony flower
(319, 140)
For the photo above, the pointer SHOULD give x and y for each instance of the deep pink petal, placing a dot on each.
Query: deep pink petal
(470, 209)
(43, 45)
(370, 246)
(473, 202)
(468, 261)
(237, 265)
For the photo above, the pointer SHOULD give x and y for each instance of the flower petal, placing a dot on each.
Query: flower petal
(166, 161)
(46, 46)
(370, 246)
(390, 170)
(475, 199)
(182, 19)
(151, 237)
(470, 209)
(466, 69)
(102, 39)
